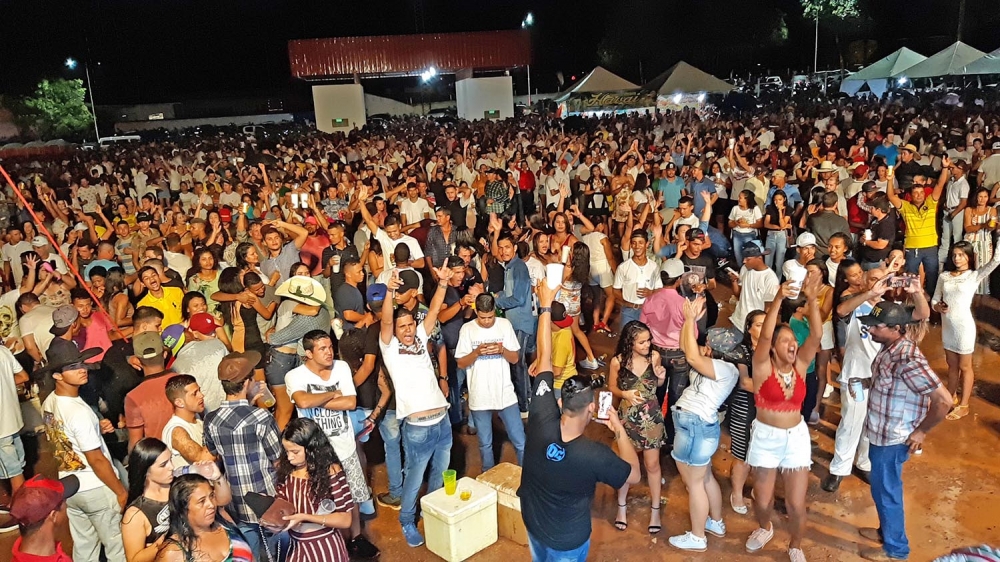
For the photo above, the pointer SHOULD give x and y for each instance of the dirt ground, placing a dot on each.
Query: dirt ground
(952, 492)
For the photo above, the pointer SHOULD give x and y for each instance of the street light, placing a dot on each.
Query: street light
(528, 21)
(71, 64)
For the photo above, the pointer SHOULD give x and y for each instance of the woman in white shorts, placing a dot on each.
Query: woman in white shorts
(780, 437)
(602, 270)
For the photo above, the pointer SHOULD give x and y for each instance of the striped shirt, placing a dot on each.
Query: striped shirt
(902, 382)
(248, 441)
(311, 542)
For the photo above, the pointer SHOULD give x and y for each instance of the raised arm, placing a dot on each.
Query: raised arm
(443, 274)
(762, 354)
(809, 348)
(689, 338)
(943, 178)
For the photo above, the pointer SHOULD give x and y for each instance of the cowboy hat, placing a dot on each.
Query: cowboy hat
(304, 289)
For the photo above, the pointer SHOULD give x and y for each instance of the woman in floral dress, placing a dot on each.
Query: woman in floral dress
(634, 376)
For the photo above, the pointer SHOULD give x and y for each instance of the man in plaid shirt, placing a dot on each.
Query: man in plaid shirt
(907, 400)
(246, 438)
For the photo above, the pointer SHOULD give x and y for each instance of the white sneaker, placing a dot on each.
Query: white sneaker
(796, 555)
(717, 528)
(828, 391)
(688, 541)
(759, 538)
(589, 365)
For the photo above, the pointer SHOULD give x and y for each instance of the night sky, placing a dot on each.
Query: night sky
(162, 51)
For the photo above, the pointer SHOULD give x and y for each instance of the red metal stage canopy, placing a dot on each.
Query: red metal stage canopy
(408, 55)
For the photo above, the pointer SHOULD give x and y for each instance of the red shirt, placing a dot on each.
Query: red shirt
(147, 406)
(526, 181)
(855, 214)
(19, 556)
(98, 334)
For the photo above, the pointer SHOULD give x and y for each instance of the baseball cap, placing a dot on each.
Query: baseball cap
(225, 215)
(143, 217)
(910, 148)
(869, 186)
(203, 323)
(753, 249)
(236, 367)
(888, 313)
(860, 171)
(559, 316)
(778, 174)
(173, 338)
(996, 145)
(39, 497)
(805, 239)
(695, 234)
(672, 268)
(82, 227)
(723, 340)
(39, 241)
(63, 317)
(147, 345)
(376, 292)
(410, 280)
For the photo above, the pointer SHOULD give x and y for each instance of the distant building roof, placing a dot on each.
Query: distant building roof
(408, 55)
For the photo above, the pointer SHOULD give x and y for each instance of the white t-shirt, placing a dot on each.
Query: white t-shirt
(178, 262)
(9, 327)
(10, 411)
(412, 375)
(490, 386)
(196, 431)
(37, 322)
(704, 395)
(231, 199)
(750, 215)
(598, 259)
(860, 347)
(389, 245)
(73, 429)
(630, 276)
(12, 255)
(201, 360)
(756, 289)
(415, 211)
(336, 424)
(792, 265)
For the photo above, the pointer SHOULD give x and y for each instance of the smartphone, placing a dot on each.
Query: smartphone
(899, 281)
(604, 405)
(731, 271)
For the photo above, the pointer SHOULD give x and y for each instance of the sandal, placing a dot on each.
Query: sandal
(957, 413)
(653, 529)
(741, 509)
(602, 328)
(621, 525)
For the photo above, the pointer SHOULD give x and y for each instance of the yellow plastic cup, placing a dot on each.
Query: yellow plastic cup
(450, 482)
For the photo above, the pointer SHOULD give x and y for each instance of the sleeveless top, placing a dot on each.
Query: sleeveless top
(771, 395)
(158, 515)
(239, 550)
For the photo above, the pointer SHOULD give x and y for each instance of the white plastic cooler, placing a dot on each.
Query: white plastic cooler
(456, 529)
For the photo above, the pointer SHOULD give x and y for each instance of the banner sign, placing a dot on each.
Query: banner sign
(610, 101)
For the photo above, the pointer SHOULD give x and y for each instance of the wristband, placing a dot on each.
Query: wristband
(544, 309)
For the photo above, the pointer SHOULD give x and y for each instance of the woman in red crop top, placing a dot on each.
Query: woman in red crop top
(780, 439)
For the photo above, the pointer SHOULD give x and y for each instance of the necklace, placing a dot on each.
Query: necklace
(786, 377)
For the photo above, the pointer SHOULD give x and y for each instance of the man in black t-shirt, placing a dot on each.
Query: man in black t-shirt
(561, 466)
(876, 247)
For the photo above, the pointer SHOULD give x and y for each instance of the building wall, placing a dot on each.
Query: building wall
(477, 95)
(129, 126)
(339, 101)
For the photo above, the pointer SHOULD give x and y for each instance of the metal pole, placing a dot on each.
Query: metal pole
(816, 48)
(529, 86)
(961, 19)
(93, 105)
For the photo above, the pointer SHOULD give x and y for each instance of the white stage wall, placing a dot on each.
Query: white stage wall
(339, 107)
(477, 96)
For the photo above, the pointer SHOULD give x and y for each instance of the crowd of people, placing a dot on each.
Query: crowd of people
(212, 329)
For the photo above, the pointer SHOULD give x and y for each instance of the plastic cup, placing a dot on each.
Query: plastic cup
(797, 277)
(335, 266)
(554, 275)
(565, 254)
(465, 493)
(450, 482)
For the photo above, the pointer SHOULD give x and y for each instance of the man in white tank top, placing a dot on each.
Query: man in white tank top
(184, 433)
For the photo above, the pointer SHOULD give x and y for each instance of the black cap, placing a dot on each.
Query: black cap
(752, 249)
(888, 313)
(410, 279)
(869, 186)
(143, 217)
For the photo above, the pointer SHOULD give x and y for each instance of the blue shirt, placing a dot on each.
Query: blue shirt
(671, 191)
(515, 300)
(697, 188)
(792, 195)
(890, 153)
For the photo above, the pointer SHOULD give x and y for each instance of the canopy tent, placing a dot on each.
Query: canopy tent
(989, 64)
(682, 78)
(948, 62)
(599, 80)
(876, 75)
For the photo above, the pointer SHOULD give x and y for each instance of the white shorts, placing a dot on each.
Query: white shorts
(827, 343)
(773, 447)
(601, 275)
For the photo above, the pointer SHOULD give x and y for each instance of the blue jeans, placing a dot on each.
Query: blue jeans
(389, 429)
(456, 378)
(777, 242)
(423, 445)
(628, 314)
(519, 371)
(542, 553)
(887, 492)
(929, 259)
(511, 418)
(740, 238)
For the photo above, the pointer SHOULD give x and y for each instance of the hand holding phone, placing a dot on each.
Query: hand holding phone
(604, 405)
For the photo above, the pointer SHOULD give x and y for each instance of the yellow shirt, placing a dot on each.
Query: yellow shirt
(563, 355)
(169, 304)
(921, 230)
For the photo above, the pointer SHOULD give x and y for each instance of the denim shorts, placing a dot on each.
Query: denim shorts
(695, 440)
(278, 364)
(11, 456)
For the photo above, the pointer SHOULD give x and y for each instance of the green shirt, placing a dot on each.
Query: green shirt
(801, 330)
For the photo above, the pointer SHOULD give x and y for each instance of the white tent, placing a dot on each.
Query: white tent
(948, 62)
(682, 78)
(877, 74)
(601, 80)
(989, 64)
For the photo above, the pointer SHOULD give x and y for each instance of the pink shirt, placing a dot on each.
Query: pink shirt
(664, 314)
(98, 334)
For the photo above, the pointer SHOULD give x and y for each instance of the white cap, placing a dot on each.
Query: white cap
(805, 239)
(673, 268)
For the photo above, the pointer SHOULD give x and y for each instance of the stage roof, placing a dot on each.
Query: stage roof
(408, 55)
